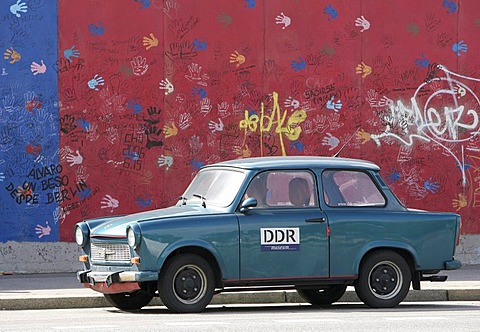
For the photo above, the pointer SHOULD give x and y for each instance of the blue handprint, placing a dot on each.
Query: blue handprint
(145, 3)
(431, 185)
(423, 62)
(87, 192)
(331, 11)
(251, 3)
(71, 52)
(95, 82)
(84, 124)
(199, 45)
(465, 166)
(96, 30)
(393, 176)
(196, 164)
(135, 106)
(297, 145)
(334, 106)
(135, 156)
(298, 65)
(460, 47)
(200, 92)
(143, 201)
(450, 5)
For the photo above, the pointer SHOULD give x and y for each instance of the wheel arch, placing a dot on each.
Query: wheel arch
(197, 249)
(406, 251)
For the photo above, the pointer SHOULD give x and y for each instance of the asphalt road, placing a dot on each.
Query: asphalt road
(416, 316)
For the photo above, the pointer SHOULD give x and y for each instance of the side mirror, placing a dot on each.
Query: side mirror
(248, 204)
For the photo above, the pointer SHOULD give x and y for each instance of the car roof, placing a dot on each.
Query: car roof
(310, 162)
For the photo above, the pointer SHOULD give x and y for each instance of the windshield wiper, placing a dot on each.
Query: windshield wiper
(203, 198)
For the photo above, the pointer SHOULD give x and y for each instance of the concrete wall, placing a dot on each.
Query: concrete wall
(34, 257)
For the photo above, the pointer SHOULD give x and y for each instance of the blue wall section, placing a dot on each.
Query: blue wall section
(29, 135)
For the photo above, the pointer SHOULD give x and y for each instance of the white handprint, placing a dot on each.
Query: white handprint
(205, 106)
(109, 202)
(185, 120)
(283, 19)
(74, 159)
(43, 231)
(331, 141)
(165, 161)
(223, 109)
(291, 102)
(216, 126)
(167, 86)
(460, 90)
(37, 68)
(18, 8)
(195, 74)
(362, 22)
(2, 176)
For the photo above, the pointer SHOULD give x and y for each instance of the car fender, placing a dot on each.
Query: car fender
(172, 247)
(385, 244)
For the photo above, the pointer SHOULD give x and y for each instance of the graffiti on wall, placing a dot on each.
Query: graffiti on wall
(114, 117)
(29, 168)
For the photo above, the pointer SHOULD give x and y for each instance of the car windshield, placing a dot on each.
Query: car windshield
(216, 187)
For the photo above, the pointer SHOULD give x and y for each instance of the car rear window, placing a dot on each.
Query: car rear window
(350, 188)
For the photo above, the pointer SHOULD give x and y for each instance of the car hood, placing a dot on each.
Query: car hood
(115, 226)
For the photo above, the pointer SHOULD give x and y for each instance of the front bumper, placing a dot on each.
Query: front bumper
(116, 282)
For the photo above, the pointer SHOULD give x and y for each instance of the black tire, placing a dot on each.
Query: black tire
(186, 283)
(129, 301)
(384, 279)
(323, 296)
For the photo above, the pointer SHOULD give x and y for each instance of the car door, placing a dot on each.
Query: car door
(358, 216)
(285, 235)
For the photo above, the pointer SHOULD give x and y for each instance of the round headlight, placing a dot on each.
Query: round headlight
(131, 237)
(134, 235)
(79, 236)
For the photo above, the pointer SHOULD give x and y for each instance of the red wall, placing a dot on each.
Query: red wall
(319, 82)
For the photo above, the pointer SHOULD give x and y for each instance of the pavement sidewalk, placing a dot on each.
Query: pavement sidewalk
(62, 291)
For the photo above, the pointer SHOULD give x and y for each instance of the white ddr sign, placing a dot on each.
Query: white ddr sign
(281, 239)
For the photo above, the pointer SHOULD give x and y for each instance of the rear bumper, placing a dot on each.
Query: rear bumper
(116, 282)
(453, 265)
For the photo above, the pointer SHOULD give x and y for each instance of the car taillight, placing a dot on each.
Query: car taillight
(459, 230)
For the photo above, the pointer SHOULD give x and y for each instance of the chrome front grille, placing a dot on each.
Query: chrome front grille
(110, 252)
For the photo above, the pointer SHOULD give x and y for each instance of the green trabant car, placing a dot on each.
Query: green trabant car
(313, 224)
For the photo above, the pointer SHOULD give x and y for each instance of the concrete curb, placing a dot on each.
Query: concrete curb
(98, 301)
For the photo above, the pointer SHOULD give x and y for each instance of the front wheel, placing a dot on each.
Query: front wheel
(384, 279)
(129, 301)
(186, 284)
(324, 296)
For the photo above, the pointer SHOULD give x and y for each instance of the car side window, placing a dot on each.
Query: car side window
(283, 189)
(350, 188)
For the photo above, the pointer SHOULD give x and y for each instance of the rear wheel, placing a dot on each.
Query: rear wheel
(129, 301)
(186, 284)
(323, 296)
(384, 279)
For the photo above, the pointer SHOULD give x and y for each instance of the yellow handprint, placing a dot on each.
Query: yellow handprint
(12, 54)
(363, 135)
(237, 57)
(459, 203)
(363, 69)
(150, 42)
(242, 152)
(170, 130)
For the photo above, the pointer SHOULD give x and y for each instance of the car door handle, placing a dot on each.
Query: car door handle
(322, 219)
